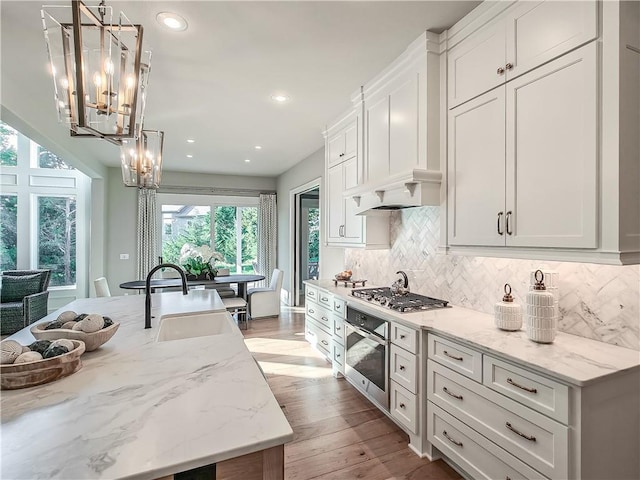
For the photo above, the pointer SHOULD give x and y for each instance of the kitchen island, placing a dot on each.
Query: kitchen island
(144, 409)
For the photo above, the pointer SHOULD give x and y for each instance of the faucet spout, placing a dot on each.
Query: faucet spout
(147, 300)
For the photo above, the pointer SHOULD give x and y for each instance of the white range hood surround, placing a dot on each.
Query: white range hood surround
(416, 188)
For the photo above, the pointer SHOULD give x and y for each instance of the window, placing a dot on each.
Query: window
(41, 208)
(233, 233)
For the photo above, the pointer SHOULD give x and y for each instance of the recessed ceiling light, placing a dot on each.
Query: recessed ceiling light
(190, 140)
(172, 21)
(247, 160)
(189, 156)
(258, 147)
(279, 98)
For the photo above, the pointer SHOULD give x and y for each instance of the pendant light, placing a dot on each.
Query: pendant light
(99, 69)
(141, 159)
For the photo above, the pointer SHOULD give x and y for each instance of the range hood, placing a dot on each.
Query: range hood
(416, 188)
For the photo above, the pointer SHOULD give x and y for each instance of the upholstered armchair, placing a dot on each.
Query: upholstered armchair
(265, 302)
(23, 298)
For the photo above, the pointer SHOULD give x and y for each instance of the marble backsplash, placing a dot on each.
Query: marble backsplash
(601, 302)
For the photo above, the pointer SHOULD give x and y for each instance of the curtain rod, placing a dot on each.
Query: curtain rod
(238, 192)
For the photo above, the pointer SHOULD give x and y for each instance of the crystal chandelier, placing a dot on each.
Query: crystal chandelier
(141, 159)
(99, 69)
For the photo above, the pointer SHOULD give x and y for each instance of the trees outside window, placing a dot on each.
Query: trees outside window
(8, 232)
(233, 233)
(57, 238)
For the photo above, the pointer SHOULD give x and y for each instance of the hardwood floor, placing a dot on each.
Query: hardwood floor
(338, 434)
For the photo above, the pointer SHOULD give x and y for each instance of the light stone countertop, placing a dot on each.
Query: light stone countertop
(141, 409)
(570, 358)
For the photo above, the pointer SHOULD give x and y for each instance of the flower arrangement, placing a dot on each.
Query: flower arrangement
(197, 260)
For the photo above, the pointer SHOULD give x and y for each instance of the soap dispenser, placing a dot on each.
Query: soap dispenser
(541, 319)
(508, 314)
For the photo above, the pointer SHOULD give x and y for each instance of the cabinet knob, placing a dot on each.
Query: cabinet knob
(402, 405)
(509, 66)
(401, 367)
(402, 336)
(500, 70)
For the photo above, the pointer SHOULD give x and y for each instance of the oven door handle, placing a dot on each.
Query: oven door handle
(368, 335)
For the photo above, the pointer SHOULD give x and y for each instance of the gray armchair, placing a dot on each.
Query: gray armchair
(23, 298)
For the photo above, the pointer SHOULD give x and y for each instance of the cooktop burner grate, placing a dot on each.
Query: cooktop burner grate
(410, 302)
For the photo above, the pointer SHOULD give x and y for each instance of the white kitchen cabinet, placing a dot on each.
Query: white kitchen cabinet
(523, 37)
(523, 159)
(343, 171)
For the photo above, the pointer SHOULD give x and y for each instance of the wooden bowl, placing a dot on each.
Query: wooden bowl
(30, 374)
(91, 340)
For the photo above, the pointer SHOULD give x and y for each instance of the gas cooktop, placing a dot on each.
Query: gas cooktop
(410, 302)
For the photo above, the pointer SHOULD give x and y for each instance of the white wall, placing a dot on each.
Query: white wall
(331, 259)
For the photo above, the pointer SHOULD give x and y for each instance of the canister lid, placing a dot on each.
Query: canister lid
(507, 293)
(539, 285)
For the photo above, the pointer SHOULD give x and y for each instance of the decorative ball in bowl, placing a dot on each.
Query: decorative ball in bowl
(41, 362)
(344, 275)
(92, 329)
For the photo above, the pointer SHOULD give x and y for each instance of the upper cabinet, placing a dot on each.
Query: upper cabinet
(529, 34)
(343, 228)
(543, 115)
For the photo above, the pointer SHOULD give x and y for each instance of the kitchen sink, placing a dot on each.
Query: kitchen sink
(196, 325)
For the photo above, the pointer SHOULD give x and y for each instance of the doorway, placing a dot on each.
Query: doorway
(307, 240)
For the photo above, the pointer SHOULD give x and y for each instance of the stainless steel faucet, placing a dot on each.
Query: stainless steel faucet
(147, 300)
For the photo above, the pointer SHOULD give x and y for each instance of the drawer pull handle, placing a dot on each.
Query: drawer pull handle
(402, 405)
(401, 367)
(402, 337)
(338, 328)
(325, 319)
(526, 389)
(530, 438)
(337, 307)
(311, 294)
(444, 432)
(453, 356)
(312, 310)
(338, 355)
(444, 389)
(324, 299)
(325, 342)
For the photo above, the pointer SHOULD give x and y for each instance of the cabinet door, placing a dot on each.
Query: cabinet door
(336, 145)
(377, 136)
(335, 203)
(473, 64)
(476, 171)
(351, 140)
(352, 223)
(540, 31)
(403, 126)
(552, 153)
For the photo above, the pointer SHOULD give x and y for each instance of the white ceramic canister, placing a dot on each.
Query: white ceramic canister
(508, 314)
(541, 319)
(552, 284)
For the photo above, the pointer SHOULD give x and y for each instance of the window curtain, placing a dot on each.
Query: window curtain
(267, 236)
(147, 233)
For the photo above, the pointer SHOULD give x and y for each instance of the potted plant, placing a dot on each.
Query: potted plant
(197, 261)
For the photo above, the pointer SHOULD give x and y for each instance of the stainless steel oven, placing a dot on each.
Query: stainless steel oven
(367, 355)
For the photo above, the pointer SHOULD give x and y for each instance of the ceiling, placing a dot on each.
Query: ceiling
(213, 82)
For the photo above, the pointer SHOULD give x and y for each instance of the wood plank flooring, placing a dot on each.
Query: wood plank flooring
(338, 434)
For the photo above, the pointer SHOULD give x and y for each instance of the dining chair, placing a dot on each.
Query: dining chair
(102, 287)
(265, 302)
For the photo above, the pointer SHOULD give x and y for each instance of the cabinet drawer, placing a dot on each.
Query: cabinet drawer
(320, 315)
(340, 307)
(325, 299)
(318, 338)
(461, 359)
(535, 391)
(404, 337)
(338, 331)
(311, 293)
(403, 368)
(478, 457)
(404, 406)
(535, 439)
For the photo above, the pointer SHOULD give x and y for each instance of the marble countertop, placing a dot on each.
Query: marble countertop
(139, 408)
(575, 360)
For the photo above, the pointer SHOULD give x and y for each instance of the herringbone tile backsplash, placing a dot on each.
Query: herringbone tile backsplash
(596, 301)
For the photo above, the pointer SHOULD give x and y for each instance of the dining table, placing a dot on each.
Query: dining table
(240, 279)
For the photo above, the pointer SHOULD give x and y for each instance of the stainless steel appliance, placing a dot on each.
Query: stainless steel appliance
(367, 355)
(406, 303)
